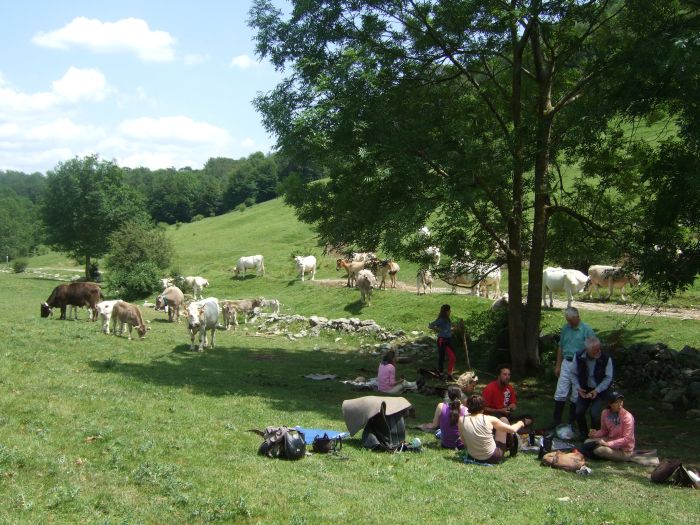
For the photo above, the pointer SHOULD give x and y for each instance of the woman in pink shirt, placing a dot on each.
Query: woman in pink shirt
(615, 439)
(386, 376)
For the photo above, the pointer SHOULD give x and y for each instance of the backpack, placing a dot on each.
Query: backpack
(324, 444)
(385, 433)
(282, 442)
(569, 461)
(672, 470)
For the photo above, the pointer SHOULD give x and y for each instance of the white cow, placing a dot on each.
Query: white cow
(424, 279)
(365, 282)
(104, 312)
(202, 316)
(562, 280)
(610, 277)
(434, 253)
(362, 256)
(306, 264)
(250, 262)
(197, 284)
(166, 282)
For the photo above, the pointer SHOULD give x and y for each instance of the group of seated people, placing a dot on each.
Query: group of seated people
(485, 425)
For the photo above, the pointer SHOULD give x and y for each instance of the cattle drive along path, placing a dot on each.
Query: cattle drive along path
(625, 309)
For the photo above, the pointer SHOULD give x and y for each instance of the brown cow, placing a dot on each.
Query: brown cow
(76, 294)
(129, 314)
(245, 306)
(171, 299)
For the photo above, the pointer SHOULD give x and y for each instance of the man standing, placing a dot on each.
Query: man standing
(571, 341)
(593, 377)
(499, 395)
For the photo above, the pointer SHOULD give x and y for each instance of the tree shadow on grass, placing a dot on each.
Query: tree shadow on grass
(274, 374)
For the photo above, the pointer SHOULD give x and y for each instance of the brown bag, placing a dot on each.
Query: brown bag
(569, 461)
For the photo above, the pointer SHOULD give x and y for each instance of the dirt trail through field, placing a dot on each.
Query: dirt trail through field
(625, 309)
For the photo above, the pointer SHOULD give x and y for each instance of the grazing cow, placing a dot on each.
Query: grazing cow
(306, 264)
(424, 279)
(197, 284)
(351, 267)
(272, 304)
(365, 282)
(250, 262)
(166, 282)
(73, 312)
(433, 252)
(477, 276)
(390, 268)
(171, 300)
(610, 277)
(129, 314)
(245, 306)
(562, 280)
(76, 294)
(104, 311)
(202, 316)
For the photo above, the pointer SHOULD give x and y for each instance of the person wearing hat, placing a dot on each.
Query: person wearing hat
(615, 438)
(572, 339)
(467, 383)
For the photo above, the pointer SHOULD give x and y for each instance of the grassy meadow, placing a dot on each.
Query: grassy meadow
(99, 429)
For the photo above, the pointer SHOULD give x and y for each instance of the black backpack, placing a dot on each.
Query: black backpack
(385, 433)
(282, 442)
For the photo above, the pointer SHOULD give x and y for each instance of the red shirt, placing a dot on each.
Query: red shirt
(499, 397)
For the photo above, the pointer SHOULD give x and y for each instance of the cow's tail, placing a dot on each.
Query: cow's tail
(262, 265)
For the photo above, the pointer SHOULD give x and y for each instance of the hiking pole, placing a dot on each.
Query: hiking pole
(464, 340)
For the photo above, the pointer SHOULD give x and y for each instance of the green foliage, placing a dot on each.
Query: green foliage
(19, 265)
(139, 255)
(86, 200)
(20, 230)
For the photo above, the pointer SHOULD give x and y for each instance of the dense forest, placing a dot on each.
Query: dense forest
(171, 195)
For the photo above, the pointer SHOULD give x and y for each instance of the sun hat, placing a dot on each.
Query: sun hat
(614, 396)
(467, 378)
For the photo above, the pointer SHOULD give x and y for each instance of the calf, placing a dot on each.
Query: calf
(306, 265)
(351, 267)
(231, 309)
(611, 277)
(562, 280)
(104, 311)
(272, 304)
(129, 314)
(197, 284)
(76, 294)
(424, 279)
(171, 300)
(365, 282)
(390, 268)
(202, 316)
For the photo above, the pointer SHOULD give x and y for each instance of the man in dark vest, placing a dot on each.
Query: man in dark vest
(593, 376)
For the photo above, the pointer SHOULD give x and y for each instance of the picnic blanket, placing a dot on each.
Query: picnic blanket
(311, 433)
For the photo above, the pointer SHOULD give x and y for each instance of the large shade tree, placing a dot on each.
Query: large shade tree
(462, 113)
(84, 202)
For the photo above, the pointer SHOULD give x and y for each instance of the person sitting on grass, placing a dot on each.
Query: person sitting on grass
(386, 376)
(499, 396)
(447, 417)
(485, 436)
(615, 438)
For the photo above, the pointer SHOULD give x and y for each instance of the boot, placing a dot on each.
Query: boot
(558, 411)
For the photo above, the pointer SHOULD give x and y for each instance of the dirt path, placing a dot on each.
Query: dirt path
(625, 309)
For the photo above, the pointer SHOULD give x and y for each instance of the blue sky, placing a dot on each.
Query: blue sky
(145, 83)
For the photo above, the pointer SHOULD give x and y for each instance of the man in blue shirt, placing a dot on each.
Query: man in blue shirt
(592, 379)
(571, 342)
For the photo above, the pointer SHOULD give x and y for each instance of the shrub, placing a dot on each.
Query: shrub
(197, 217)
(240, 207)
(19, 265)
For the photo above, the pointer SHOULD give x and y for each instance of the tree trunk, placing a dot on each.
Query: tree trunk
(87, 267)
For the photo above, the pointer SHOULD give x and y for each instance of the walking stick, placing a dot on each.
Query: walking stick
(464, 340)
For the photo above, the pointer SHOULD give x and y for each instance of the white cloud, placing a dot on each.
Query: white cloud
(62, 130)
(75, 85)
(128, 35)
(81, 84)
(178, 128)
(8, 129)
(243, 62)
(192, 59)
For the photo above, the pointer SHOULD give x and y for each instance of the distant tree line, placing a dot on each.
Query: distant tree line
(29, 206)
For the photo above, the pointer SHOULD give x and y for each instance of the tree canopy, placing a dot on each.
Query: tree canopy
(85, 201)
(465, 113)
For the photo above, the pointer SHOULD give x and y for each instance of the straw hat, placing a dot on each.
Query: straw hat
(466, 379)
